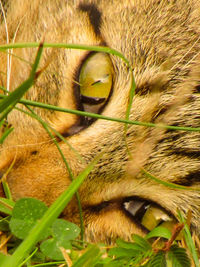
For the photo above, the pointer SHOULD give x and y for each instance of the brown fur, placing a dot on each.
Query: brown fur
(161, 41)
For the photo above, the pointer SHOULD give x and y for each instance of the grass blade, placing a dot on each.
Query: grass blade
(168, 184)
(70, 46)
(8, 103)
(188, 239)
(102, 117)
(6, 205)
(88, 258)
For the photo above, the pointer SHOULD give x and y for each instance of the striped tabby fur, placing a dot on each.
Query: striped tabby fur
(161, 39)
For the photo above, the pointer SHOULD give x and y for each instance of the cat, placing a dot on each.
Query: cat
(160, 39)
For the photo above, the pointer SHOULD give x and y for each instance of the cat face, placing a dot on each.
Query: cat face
(160, 39)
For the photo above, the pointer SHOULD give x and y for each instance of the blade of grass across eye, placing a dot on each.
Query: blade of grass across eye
(84, 47)
(188, 239)
(81, 113)
(168, 184)
(88, 114)
(70, 46)
(52, 213)
(8, 103)
(102, 117)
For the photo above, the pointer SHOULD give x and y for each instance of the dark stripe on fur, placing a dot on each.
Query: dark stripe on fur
(186, 153)
(172, 137)
(94, 15)
(197, 89)
(190, 179)
(150, 89)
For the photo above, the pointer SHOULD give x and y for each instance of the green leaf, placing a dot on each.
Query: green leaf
(158, 260)
(89, 258)
(26, 212)
(107, 262)
(123, 253)
(159, 231)
(64, 230)
(6, 205)
(3, 258)
(4, 224)
(127, 245)
(38, 257)
(142, 242)
(51, 249)
(129, 250)
(179, 257)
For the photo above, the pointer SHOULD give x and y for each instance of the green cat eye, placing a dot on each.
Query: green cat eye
(96, 77)
(149, 215)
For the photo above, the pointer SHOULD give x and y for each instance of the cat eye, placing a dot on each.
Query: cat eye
(95, 82)
(148, 214)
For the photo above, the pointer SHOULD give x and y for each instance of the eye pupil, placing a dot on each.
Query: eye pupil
(96, 82)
